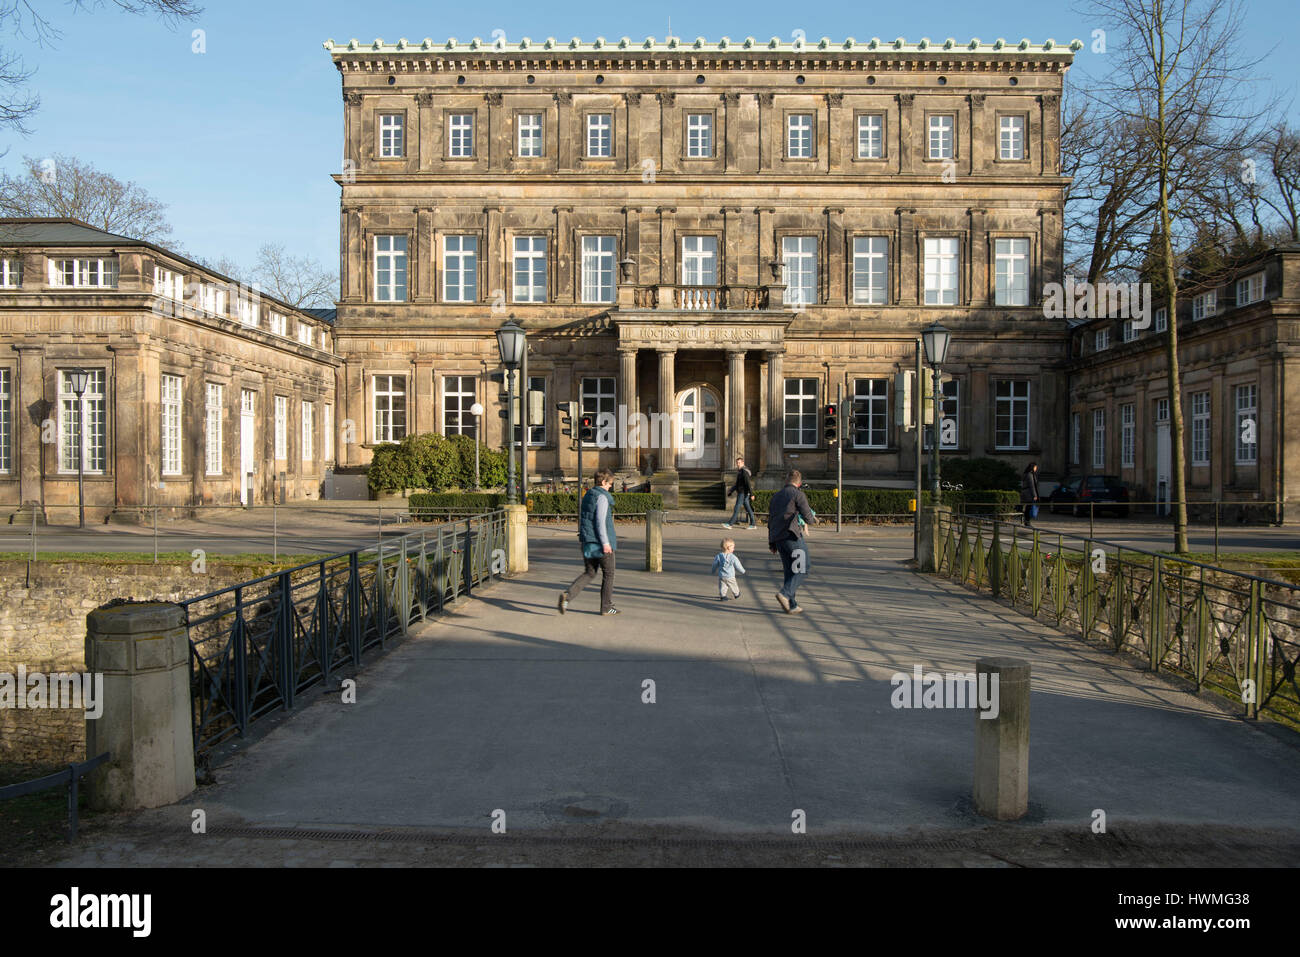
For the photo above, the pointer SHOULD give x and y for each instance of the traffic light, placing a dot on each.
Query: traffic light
(567, 411)
(830, 424)
(586, 427)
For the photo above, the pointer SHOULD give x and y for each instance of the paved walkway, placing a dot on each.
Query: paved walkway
(508, 706)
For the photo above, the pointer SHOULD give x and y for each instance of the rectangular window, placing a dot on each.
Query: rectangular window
(280, 324)
(1127, 332)
(1162, 411)
(281, 428)
(1127, 435)
(327, 433)
(304, 333)
(460, 135)
(458, 393)
(1012, 267)
(390, 408)
(1011, 137)
(941, 272)
(171, 425)
(600, 134)
(949, 421)
(248, 310)
(1247, 424)
(1101, 340)
(390, 134)
(1250, 289)
(308, 429)
(528, 128)
(167, 283)
(1099, 438)
(1011, 414)
(94, 443)
(95, 273)
(699, 135)
(597, 398)
(699, 260)
(1162, 320)
(1200, 428)
(6, 421)
(598, 268)
(11, 272)
(1076, 437)
(530, 269)
(870, 413)
(799, 136)
(801, 413)
(799, 253)
(870, 270)
(871, 135)
(212, 438)
(460, 268)
(390, 268)
(941, 136)
(212, 299)
(1203, 305)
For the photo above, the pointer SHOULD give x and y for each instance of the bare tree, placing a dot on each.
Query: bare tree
(299, 281)
(1279, 154)
(17, 104)
(1179, 78)
(66, 186)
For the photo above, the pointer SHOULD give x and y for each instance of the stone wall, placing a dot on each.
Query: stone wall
(43, 626)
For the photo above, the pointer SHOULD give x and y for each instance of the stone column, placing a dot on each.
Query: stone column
(426, 131)
(908, 277)
(628, 454)
(835, 253)
(423, 253)
(517, 538)
(774, 462)
(977, 134)
(142, 651)
(564, 159)
(667, 406)
(1002, 741)
(32, 413)
(352, 133)
(735, 406)
(977, 281)
(494, 256)
(906, 144)
(565, 256)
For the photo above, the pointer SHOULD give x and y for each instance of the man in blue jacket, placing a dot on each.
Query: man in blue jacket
(785, 537)
(598, 541)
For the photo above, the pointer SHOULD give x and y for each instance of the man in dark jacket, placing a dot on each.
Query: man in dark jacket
(785, 537)
(744, 493)
(1029, 493)
(598, 541)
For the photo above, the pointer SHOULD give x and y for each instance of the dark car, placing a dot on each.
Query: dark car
(1101, 493)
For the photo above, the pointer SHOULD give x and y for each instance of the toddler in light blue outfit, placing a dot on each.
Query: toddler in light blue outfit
(726, 564)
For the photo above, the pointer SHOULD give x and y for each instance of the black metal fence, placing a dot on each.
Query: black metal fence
(1234, 633)
(69, 777)
(256, 646)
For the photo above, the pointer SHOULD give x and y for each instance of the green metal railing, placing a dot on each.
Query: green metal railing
(1230, 632)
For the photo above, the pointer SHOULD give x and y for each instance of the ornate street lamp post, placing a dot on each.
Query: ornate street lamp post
(79, 379)
(935, 339)
(511, 342)
(476, 410)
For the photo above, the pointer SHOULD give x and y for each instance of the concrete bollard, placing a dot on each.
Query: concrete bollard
(142, 650)
(1002, 743)
(517, 538)
(929, 545)
(654, 540)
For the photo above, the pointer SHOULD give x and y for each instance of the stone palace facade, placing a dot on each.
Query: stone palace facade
(736, 232)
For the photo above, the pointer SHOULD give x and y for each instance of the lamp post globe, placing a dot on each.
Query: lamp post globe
(511, 341)
(476, 410)
(935, 338)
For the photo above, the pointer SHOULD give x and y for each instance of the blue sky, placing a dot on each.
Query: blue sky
(240, 141)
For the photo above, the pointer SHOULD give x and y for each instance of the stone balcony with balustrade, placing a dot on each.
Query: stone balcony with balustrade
(671, 297)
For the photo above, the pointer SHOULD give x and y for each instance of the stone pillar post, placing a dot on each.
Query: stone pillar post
(517, 538)
(628, 454)
(930, 522)
(142, 651)
(654, 540)
(31, 402)
(1002, 739)
(773, 462)
(735, 406)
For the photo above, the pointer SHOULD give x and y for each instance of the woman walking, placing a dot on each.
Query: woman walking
(1029, 493)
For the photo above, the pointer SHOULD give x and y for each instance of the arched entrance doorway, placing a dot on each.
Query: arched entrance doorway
(698, 428)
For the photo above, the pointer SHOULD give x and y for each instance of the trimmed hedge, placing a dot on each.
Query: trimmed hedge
(895, 501)
(434, 462)
(539, 503)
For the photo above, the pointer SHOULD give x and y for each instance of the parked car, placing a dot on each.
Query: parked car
(1102, 493)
